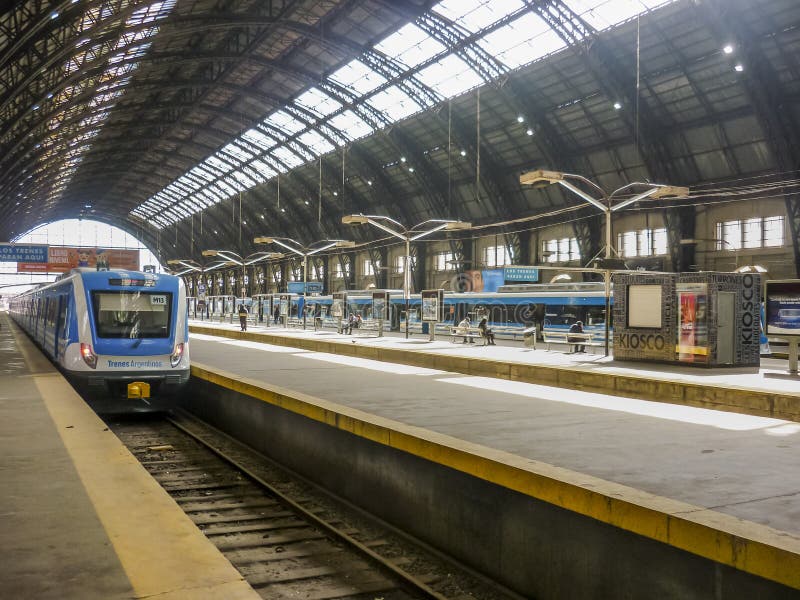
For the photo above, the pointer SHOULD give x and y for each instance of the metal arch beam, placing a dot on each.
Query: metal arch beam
(767, 96)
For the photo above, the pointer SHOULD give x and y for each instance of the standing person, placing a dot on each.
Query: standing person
(486, 331)
(243, 317)
(464, 327)
(576, 327)
(277, 314)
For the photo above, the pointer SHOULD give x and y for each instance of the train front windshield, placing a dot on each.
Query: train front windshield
(132, 314)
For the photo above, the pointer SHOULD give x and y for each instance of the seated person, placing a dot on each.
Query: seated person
(486, 331)
(576, 327)
(463, 328)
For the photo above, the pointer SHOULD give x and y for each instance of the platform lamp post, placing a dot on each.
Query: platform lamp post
(408, 235)
(228, 256)
(304, 252)
(605, 203)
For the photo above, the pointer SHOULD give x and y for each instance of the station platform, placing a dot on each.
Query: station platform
(79, 517)
(720, 484)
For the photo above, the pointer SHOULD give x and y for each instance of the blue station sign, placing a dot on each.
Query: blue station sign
(312, 287)
(521, 274)
(27, 253)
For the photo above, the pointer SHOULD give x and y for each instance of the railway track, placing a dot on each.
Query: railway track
(288, 538)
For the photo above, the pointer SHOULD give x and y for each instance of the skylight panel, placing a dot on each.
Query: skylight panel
(394, 103)
(190, 183)
(253, 174)
(351, 125)
(315, 142)
(287, 157)
(226, 187)
(358, 77)
(263, 168)
(234, 183)
(284, 122)
(450, 76)
(410, 45)
(475, 15)
(198, 171)
(602, 14)
(244, 180)
(237, 152)
(319, 102)
(522, 41)
(257, 138)
(219, 165)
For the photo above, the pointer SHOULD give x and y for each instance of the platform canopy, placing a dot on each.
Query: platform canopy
(200, 123)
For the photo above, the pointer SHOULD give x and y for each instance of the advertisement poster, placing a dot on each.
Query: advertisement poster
(783, 307)
(432, 305)
(338, 304)
(61, 259)
(379, 305)
(692, 322)
(284, 306)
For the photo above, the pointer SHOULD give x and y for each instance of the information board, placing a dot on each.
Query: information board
(782, 301)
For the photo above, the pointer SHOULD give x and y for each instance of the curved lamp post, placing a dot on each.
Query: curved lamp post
(408, 235)
(304, 252)
(604, 202)
(228, 257)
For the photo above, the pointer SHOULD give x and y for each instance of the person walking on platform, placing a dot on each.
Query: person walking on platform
(576, 327)
(464, 327)
(486, 331)
(243, 317)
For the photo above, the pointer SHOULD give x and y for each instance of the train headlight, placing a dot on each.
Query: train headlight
(176, 356)
(88, 355)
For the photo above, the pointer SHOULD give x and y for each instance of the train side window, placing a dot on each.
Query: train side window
(62, 317)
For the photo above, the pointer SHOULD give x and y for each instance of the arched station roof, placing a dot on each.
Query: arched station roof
(200, 123)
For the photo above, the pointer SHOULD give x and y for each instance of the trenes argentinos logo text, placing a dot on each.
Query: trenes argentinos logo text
(134, 364)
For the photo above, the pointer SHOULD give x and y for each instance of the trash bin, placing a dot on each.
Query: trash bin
(529, 337)
(425, 326)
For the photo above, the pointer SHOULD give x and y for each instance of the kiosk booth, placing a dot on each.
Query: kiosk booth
(700, 319)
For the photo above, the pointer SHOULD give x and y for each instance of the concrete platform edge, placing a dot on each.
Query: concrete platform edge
(743, 545)
(728, 399)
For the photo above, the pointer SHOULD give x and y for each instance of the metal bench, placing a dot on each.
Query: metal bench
(367, 328)
(564, 337)
(469, 333)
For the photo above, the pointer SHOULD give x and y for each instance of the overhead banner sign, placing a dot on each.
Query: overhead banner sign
(521, 274)
(29, 253)
(60, 259)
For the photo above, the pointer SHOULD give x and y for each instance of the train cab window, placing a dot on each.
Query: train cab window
(132, 314)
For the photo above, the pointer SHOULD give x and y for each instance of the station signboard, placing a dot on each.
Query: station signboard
(29, 253)
(61, 259)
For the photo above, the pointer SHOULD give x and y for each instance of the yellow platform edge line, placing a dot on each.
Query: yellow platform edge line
(160, 549)
(779, 405)
(749, 547)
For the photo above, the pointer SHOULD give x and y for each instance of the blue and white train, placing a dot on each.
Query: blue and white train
(108, 329)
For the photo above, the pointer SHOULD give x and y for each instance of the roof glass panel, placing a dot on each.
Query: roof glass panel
(358, 77)
(263, 168)
(319, 102)
(284, 122)
(286, 157)
(257, 138)
(202, 173)
(602, 14)
(475, 15)
(243, 179)
(315, 142)
(351, 125)
(410, 45)
(450, 76)
(394, 103)
(522, 41)
(236, 151)
(218, 164)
